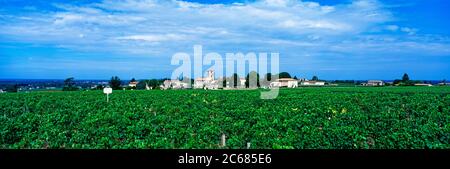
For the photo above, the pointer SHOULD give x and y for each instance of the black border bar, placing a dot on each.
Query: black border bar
(278, 158)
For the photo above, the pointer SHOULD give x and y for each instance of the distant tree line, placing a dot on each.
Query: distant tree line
(12, 88)
(69, 85)
(252, 80)
(406, 81)
(151, 83)
(116, 84)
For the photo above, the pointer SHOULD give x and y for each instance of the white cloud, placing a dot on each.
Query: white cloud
(154, 38)
(277, 3)
(133, 26)
(289, 24)
(392, 27)
(127, 5)
(410, 31)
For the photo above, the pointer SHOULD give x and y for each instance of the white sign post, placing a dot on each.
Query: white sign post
(107, 91)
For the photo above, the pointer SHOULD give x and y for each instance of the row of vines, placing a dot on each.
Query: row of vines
(302, 118)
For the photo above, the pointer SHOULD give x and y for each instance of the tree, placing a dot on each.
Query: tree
(405, 78)
(443, 82)
(142, 84)
(284, 75)
(153, 83)
(224, 82)
(99, 87)
(268, 77)
(115, 83)
(69, 84)
(235, 80)
(12, 88)
(315, 78)
(295, 77)
(406, 81)
(252, 80)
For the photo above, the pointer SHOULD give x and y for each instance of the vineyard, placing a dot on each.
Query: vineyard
(302, 118)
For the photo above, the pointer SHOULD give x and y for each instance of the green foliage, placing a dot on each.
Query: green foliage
(224, 83)
(252, 80)
(406, 81)
(347, 83)
(152, 83)
(99, 87)
(405, 78)
(115, 83)
(69, 85)
(268, 77)
(12, 88)
(326, 118)
(315, 78)
(129, 88)
(235, 80)
(284, 75)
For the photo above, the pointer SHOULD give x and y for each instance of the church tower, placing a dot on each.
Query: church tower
(210, 74)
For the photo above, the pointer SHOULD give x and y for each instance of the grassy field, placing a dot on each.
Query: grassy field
(326, 118)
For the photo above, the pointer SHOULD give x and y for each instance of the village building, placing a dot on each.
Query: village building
(242, 82)
(208, 82)
(147, 87)
(302, 79)
(174, 84)
(133, 84)
(312, 83)
(422, 84)
(373, 83)
(285, 82)
(229, 85)
(293, 84)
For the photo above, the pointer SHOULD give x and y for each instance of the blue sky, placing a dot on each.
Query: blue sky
(342, 39)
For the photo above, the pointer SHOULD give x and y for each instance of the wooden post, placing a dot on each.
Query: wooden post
(223, 140)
